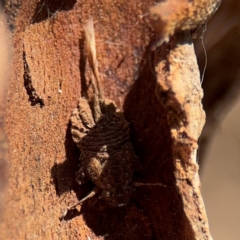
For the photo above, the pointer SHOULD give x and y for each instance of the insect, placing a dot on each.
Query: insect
(174, 16)
(102, 134)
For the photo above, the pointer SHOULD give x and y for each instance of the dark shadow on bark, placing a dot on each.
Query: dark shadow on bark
(151, 139)
(33, 97)
(48, 8)
(82, 68)
(63, 174)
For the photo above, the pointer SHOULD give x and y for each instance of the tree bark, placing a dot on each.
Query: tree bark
(160, 95)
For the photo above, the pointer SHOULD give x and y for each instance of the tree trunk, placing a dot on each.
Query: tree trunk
(160, 95)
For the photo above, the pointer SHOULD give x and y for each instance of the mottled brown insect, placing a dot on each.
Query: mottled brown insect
(102, 134)
(172, 16)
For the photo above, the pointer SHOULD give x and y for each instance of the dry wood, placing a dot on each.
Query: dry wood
(165, 116)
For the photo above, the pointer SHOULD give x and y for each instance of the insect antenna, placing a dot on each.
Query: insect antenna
(90, 195)
(92, 58)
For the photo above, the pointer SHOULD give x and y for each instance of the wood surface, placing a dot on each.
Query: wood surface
(160, 95)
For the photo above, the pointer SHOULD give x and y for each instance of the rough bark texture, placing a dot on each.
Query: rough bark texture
(48, 79)
(181, 96)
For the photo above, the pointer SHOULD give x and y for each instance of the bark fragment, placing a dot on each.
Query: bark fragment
(180, 93)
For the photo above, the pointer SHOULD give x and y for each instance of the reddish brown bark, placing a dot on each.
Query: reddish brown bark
(46, 83)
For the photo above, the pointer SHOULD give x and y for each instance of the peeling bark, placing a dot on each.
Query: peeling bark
(165, 116)
(180, 93)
